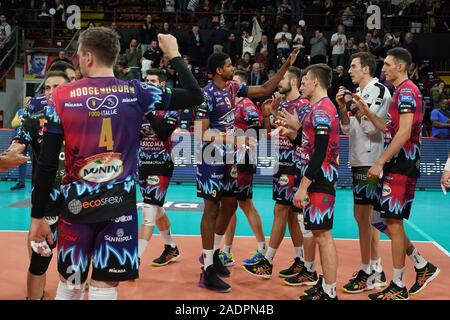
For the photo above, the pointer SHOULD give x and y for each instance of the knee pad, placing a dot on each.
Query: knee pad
(39, 264)
(149, 214)
(305, 233)
(96, 293)
(378, 222)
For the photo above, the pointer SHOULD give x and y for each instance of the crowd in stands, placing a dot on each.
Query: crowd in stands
(260, 44)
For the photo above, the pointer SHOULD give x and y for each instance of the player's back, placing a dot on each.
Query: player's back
(101, 118)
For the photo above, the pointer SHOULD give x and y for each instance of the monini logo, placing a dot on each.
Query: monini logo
(102, 167)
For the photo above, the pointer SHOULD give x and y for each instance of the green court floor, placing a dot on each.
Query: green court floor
(430, 218)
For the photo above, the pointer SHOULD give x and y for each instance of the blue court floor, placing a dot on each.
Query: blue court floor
(430, 218)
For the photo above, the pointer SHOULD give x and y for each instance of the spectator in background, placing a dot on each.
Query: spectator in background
(296, 7)
(376, 43)
(256, 77)
(265, 44)
(283, 40)
(218, 38)
(338, 42)
(262, 57)
(169, 6)
(330, 12)
(362, 47)
(232, 48)
(120, 34)
(148, 33)
(413, 73)
(350, 49)
(348, 17)
(150, 58)
(167, 29)
(123, 73)
(4, 25)
(298, 38)
(132, 59)
(265, 25)
(246, 62)
(440, 118)
(195, 43)
(62, 57)
(340, 78)
(78, 74)
(285, 11)
(438, 94)
(410, 45)
(2, 42)
(319, 45)
(250, 41)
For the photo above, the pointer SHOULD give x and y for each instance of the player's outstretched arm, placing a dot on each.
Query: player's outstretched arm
(190, 94)
(266, 88)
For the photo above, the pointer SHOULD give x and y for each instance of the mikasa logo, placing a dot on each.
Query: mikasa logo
(102, 167)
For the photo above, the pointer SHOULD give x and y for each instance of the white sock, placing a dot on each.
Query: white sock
(270, 254)
(329, 289)
(207, 258)
(217, 240)
(142, 244)
(399, 277)
(69, 292)
(417, 259)
(300, 253)
(365, 268)
(376, 265)
(262, 247)
(167, 238)
(310, 266)
(96, 293)
(227, 249)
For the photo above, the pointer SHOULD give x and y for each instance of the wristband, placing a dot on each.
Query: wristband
(447, 165)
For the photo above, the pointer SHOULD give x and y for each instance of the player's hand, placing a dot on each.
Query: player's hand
(266, 107)
(277, 98)
(290, 120)
(12, 159)
(362, 105)
(301, 198)
(293, 56)
(40, 237)
(168, 45)
(445, 179)
(340, 97)
(375, 171)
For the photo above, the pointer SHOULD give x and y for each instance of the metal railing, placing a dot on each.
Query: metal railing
(8, 53)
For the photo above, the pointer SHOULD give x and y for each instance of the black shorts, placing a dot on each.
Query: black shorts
(284, 185)
(396, 196)
(365, 191)
(155, 183)
(319, 214)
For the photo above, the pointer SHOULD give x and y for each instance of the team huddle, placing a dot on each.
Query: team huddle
(94, 138)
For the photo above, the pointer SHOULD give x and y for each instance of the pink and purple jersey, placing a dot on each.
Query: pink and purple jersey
(406, 99)
(287, 155)
(101, 120)
(322, 120)
(152, 150)
(246, 114)
(219, 105)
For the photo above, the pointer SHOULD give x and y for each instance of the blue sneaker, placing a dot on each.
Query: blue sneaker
(227, 259)
(253, 260)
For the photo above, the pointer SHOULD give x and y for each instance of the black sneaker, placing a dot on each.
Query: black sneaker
(303, 278)
(423, 277)
(319, 294)
(392, 292)
(294, 269)
(218, 265)
(314, 288)
(360, 282)
(380, 280)
(17, 186)
(169, 255)
(262, 270)
(210, 280)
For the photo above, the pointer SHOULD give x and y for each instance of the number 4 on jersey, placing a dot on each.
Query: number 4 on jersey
(106, 137)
